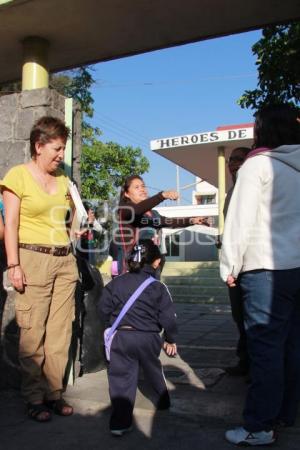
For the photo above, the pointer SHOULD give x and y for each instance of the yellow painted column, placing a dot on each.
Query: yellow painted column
(221, 186)
(35, 72)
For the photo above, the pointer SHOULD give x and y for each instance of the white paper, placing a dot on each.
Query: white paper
(80, 215)
(79, 208)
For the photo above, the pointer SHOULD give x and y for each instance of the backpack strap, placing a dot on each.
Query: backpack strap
(129, 303)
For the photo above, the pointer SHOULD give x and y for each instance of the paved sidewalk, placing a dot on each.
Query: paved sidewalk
(205, 401)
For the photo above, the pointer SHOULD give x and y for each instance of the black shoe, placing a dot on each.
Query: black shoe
(237, 371)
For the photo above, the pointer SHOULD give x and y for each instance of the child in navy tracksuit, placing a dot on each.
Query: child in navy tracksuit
(137, 342)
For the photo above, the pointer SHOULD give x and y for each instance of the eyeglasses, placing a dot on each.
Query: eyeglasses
(233, 159)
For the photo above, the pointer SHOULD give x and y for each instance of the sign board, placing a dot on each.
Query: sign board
(216, 137)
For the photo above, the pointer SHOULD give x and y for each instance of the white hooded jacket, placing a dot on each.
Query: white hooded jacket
(262, 227)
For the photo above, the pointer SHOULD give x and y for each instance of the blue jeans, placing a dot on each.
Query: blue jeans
(237, 310)
(272, 323)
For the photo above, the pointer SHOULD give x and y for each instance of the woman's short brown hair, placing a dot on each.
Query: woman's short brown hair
(45, 130)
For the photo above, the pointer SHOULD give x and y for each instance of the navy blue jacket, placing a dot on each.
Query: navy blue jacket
(151, 312)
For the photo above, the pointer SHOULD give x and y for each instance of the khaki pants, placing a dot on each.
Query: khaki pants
(44, 313)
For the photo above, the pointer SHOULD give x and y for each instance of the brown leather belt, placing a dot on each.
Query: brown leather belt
(55, 251)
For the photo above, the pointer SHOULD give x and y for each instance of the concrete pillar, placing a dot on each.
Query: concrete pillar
(221, 186)
(35, 73)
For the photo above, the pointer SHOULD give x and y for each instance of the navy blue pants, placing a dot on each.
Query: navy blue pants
(131, 350)
(272, 322)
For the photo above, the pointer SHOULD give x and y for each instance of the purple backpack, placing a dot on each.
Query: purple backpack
(110, 332)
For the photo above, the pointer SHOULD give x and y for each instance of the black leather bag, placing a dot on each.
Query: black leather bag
(87, 341)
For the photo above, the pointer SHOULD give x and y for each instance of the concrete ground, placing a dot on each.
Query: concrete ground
(205, 401)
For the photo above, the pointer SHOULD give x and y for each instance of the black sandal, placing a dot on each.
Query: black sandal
(60, 407)
(36, 411)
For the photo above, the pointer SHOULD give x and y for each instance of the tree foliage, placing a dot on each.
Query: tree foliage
(104, 167)
(278, 63)
(77, 83)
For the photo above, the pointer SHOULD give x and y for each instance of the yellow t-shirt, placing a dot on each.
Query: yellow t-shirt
(42, 215)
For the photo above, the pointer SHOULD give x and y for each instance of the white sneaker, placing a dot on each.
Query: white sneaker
(121, 431)
(240, 436)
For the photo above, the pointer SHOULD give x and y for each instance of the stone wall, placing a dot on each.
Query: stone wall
(18, 112)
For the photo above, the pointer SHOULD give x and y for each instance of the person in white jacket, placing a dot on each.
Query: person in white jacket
(235, 161)
(261, 245)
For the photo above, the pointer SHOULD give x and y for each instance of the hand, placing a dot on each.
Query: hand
(170, 195)
(231, 281)
(170, 349)
(79, 233)
(17, 278)
(218, 242)
(201, 221)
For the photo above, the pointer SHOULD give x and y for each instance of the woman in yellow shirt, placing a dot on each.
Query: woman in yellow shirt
(41, 267)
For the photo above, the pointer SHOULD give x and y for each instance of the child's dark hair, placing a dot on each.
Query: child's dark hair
(144, 252)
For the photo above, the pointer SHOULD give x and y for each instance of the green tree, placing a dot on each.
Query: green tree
(77, 83)
(104, 167)
(278, 63)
